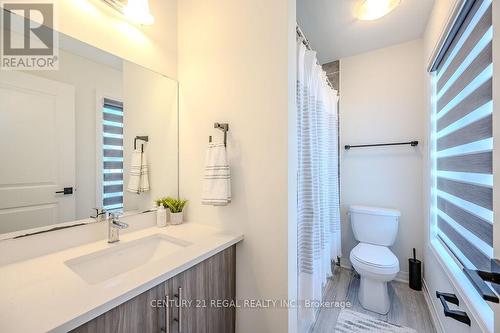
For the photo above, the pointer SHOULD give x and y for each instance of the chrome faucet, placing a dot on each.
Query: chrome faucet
(100, 215)
(114, 226)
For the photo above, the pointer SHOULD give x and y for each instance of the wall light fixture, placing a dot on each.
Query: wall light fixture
(135, 10)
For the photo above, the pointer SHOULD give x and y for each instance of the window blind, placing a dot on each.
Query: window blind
(463, 140)
(112, 140)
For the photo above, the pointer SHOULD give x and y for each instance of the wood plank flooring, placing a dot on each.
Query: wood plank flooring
(408, 307)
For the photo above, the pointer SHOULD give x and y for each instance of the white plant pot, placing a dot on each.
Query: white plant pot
(176, 218)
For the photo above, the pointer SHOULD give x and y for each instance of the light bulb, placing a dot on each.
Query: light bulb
(138, 11)
(370, 10)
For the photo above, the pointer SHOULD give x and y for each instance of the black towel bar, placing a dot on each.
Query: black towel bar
(412, 143)
(480, 277)
(455, 314)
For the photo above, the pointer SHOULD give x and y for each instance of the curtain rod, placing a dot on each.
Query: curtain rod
(305, 41)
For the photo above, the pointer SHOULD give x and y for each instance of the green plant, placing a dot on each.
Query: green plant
(175, 205)
(159, 202)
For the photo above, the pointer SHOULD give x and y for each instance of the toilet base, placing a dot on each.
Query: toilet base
(374, 296)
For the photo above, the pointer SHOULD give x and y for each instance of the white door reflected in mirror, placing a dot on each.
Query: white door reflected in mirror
(37, 125)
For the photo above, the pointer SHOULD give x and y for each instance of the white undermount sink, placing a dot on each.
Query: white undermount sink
(102, 265)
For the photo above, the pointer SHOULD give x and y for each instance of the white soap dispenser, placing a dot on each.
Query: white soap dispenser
(161, 216)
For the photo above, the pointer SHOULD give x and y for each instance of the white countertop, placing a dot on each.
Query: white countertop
(42, 294)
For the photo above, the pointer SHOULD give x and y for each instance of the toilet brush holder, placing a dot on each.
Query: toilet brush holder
(415, 271)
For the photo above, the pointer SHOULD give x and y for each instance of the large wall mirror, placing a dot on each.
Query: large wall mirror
(98, 132)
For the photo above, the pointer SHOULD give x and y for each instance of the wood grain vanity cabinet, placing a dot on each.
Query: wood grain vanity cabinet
(199, 300)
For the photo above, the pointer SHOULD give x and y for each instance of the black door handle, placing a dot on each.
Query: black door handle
(66, 191)
(457, 315)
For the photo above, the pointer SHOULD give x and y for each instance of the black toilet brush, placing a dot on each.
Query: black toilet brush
(415, 267)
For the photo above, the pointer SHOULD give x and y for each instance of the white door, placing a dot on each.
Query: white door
(37, 147)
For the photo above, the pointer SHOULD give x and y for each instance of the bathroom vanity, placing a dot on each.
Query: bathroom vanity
(196, 300)
(123, 287)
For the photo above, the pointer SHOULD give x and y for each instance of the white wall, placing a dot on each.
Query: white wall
(382, 101)
(95, 23)
(88, 77)
(235, 58)
(434, 33)
(150, 108)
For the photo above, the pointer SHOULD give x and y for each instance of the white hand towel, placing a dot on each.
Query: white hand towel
(144, 187)
(217, 180)
(139, 180)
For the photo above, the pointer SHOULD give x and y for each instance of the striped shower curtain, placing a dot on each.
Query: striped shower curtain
(318, 186)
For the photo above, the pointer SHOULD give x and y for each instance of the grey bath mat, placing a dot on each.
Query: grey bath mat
(355, 322)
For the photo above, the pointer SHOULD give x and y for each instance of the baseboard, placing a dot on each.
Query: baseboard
(400, 277)
(345, 263)
(438, 325)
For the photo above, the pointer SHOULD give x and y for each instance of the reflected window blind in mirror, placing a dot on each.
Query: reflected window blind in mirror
(112, 189)
(462, 140)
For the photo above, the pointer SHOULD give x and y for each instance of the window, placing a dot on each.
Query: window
(112, 140)
(462, 139)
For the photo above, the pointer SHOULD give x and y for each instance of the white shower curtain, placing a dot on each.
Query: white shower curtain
(318, 189)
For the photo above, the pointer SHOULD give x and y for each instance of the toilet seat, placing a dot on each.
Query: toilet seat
(375, 258)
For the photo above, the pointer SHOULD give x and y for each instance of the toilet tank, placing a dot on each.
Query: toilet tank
(374, 225)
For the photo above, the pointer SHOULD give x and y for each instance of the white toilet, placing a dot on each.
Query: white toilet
(376, 229)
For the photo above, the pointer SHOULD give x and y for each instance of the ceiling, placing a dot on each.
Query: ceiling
(335, 33)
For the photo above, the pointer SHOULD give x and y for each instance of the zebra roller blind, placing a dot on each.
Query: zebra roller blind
(112, 140)
(462, 140)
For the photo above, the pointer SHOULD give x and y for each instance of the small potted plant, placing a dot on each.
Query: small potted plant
(176, 207)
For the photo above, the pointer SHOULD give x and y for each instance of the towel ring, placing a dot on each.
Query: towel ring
(224, 127)
(142, 138)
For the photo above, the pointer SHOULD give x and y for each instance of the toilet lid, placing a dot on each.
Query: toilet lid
(374, 255)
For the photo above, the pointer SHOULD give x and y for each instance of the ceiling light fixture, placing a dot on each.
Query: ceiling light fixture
(370, 10)
(135, 10)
